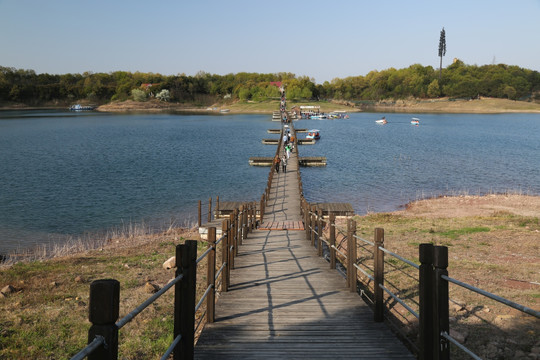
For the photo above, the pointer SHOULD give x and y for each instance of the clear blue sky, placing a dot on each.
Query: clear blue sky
(321, 39)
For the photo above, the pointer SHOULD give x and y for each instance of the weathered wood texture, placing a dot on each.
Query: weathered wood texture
(285, 302)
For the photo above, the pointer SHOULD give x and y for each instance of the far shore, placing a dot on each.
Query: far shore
(416, 106)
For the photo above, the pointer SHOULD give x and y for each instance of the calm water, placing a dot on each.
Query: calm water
(67, 174)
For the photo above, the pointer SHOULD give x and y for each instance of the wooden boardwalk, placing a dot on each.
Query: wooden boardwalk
(285, 302)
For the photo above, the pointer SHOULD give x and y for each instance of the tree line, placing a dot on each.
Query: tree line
(458, 80)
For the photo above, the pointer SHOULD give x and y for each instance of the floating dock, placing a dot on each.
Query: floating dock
(300, 141)
(303, 161)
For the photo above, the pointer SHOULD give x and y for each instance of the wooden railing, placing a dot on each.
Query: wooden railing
(104, 307)
(432, 308)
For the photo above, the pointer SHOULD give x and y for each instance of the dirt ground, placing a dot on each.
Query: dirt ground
(463, 206)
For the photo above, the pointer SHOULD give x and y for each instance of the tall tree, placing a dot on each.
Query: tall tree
(442, 49)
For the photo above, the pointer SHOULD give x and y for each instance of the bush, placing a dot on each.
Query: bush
(138, 95)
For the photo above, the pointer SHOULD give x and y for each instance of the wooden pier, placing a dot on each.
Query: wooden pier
(284, 301)
(303, 161)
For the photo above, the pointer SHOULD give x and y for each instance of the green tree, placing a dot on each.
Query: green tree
(434, 89)
(138, 95)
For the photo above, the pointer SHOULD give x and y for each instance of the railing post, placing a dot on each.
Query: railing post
(225, 256)
(245, 227)
(319, 232)
(441, 313)
(103, 313)
(230, 236)
(241, 224)
(307, 222)
(312, 225)
(425, 276)
(216, 209)
(351, 255)
(235, 232)
(261, 211)
(378, 267)
(211, 276)
(200, 213)
(332, 240)
(184, 295)
(253, 215)
(209, 209)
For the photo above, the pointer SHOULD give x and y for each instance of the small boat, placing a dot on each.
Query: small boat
(318, 117)
(382, 121)
(415, 121)
(224, 110)
(313, 134)
(79, 107)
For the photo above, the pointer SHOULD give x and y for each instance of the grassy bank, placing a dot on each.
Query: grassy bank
(492, 241)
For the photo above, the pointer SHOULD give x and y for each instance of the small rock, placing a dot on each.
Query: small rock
(170, 264)
(2, 295)
(486, 309)
(79, 279)
(126, 266)
(81, 304)
(53, 284)
(151, 288)
(460, 337)
(8, 289)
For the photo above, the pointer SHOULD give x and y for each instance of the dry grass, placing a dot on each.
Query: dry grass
(47, 316)
(493, 243)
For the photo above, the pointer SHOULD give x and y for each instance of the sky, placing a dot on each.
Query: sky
(319, 39)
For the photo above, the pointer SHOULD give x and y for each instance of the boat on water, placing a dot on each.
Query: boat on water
(79, 107)
(318, 117)
(381, 121)
(224, 110)
(313, 134)
(415, 121)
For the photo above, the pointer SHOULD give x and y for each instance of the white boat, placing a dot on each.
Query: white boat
(318, 117)
(313, 134)
(224, 110)
(415, 121)
(382, 121)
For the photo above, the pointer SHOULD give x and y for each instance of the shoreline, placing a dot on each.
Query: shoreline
(418, 106)
(443, 206)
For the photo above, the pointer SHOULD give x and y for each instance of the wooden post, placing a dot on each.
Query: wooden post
(225, 277)
(307, 222)
(319, 232)
(245, 227)
(184, 295)
(440, 288)
(312, 225)
(261, 210)
(230, 232)
(425, 275)
(241, 224)
(200, 213)
(351, 255)
(378, 266)
(216, 210)
(103, 313)
(209, 209)
(235, 232)
(253, 215)
(332, 240)
(211, 276)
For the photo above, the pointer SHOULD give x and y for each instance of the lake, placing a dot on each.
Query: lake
(65, 174)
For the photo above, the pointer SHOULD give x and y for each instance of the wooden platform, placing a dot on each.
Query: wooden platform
(282, 225)
(339, 209)
(303, 161)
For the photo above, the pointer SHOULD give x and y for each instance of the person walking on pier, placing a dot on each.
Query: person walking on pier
(288, 150)
(284, 164)
(276, 163)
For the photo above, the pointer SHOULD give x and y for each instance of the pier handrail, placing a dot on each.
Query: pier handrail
(105, 294)
(432, 282)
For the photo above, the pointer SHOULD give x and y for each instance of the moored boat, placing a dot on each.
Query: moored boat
(313, 134)
(415, 121)
(381, 121)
